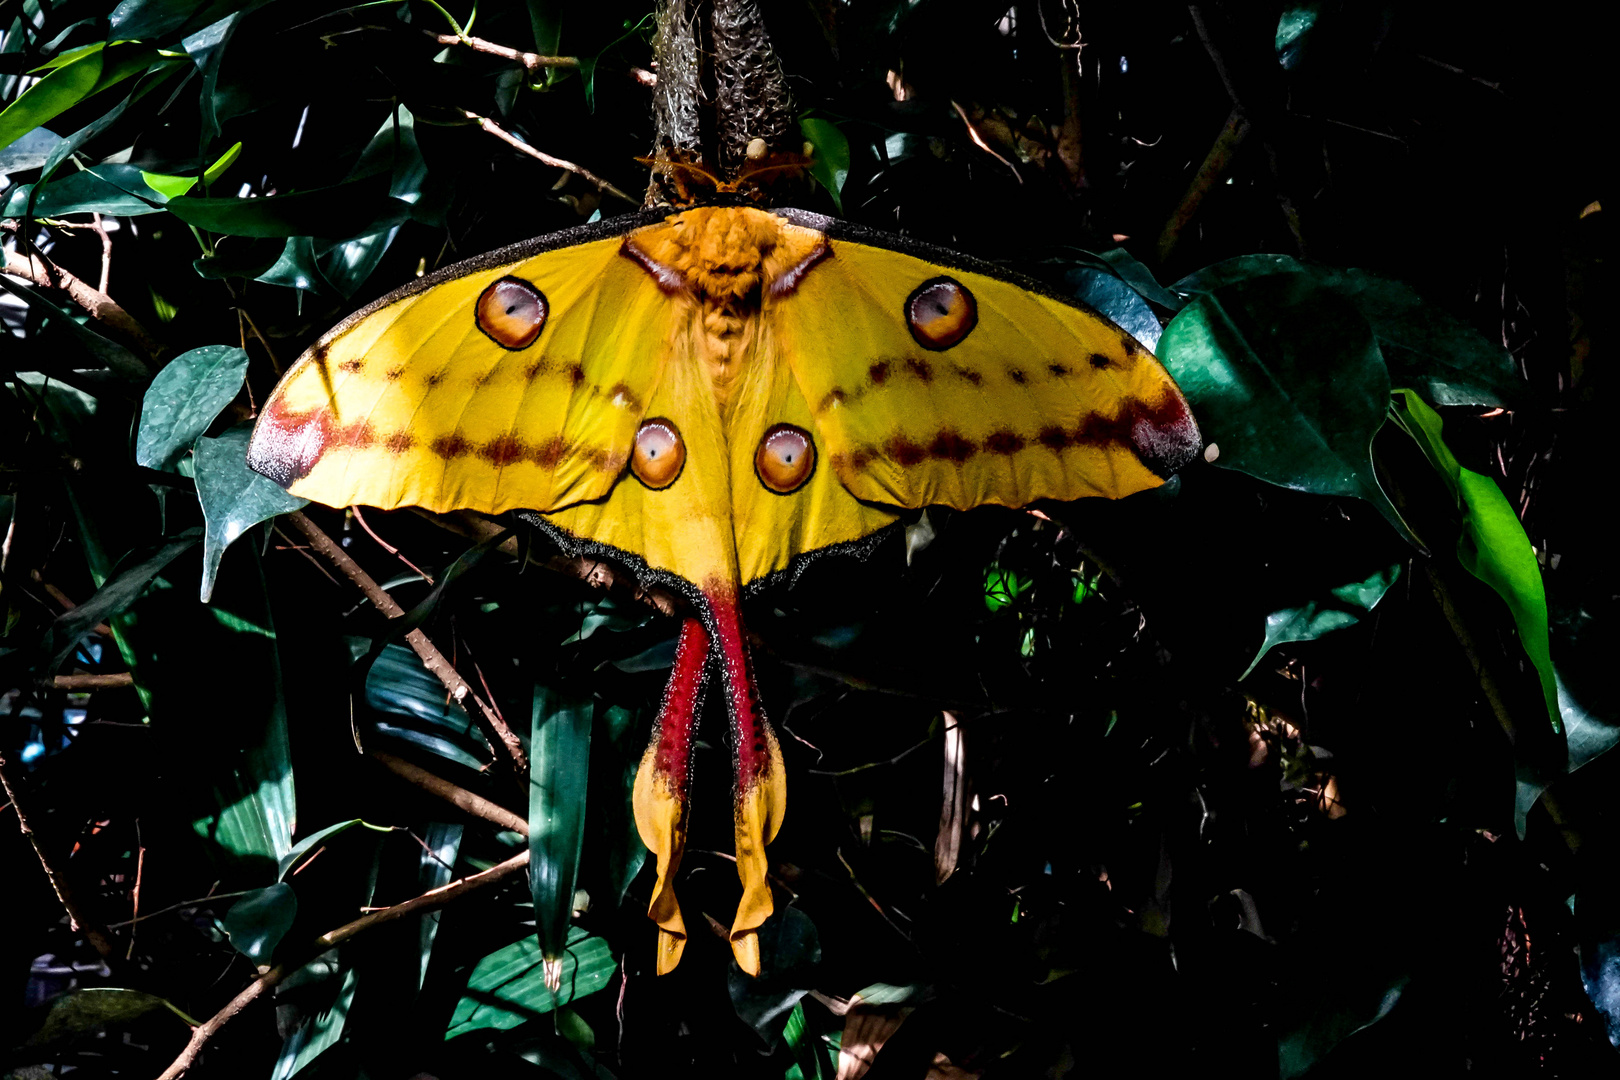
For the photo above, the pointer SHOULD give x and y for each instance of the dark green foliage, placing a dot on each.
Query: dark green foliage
(1277, 767)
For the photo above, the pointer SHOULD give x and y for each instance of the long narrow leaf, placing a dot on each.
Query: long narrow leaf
(560, 765)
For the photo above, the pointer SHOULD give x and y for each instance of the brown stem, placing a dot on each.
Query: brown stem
(94, 682)
(100, 306)
(428, 901)
(539, 155)
(476, 805)
(1219, 157)
(92, 932)
(432, 658)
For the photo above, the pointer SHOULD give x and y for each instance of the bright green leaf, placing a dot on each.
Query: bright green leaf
(829, 157)
(1493, 545)
(1002, 587)
(183, 400)
(234, 498)
(507, 987)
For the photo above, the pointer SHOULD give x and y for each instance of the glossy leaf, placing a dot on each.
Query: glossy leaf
(257, 922)
(1117, 301)
(398, 684)
(1584, 628)
(1286, 379)
(790, 950)
(619, 737)
(1493, 545)
(559, 776)
(392, 150)
(435, 867)
(29, 150)
(240, 257)
(1294, 31)
(507, 987)
(318, 1033)
(207, 48)
(829, 158)
(355, 208)
(1422, 345)
(87, 1012)
(183, 400)
(1342, 607)
(88, 191)
(61, 89)
(234, 498)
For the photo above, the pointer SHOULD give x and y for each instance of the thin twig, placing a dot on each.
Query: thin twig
(476, 805)
(386, 546)
(135, 893)
(432, 658)
(539, 155)
(978, 140)
(106, 252)
(428, 901)
(532, 62)
(182, 904)
(99, 305)
(64, 895)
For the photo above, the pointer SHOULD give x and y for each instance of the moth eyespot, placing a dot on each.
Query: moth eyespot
(785, 459)
(941, 312)
(512, 312)
(659, 453)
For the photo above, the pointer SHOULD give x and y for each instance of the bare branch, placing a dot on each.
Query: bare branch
(539, 155)
(94, 682)
(533, 62)
(432, 658)
(93, 933)
(476, 805)
(428, 901)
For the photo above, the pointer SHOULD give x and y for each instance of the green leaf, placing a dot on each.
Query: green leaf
(88, 1012)
(829, 159)
(559, 776)
(353, 208)
(241, 257)
(297, 267)
(1422, 345)
(1002, 587)
(620, 736)
(86, 191)
(257, 922)
(1294, 29)
(29, 151)
(207, 50)
(1343, 606)
(118, 593)
(1116, 300)
(314, 840)
(234, 498)
(507, 987)
(393, 150)
(1286, 379)
(183, 400)
(57, 92)
(1493, 545)
(398, 684)
(790, 950)
(318, 1033)
(435, 867)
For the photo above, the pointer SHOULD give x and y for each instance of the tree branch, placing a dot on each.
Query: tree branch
(92, 932)
(476, 805)
(432, 658)
(539, 155)
(94, 682)
(99, 305)
(428, 901)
